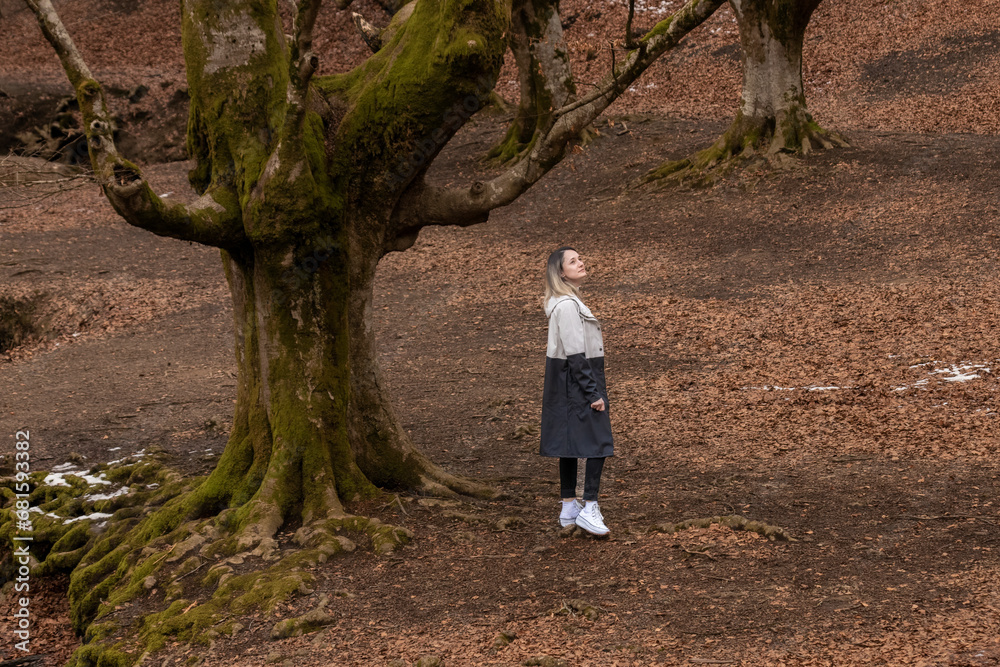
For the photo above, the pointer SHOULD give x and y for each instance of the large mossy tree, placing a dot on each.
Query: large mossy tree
(772, 122)
(305, 183)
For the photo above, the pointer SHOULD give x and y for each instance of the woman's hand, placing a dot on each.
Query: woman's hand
(598, 405)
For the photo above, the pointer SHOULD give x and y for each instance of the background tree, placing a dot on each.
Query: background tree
(543, 70)
(305, 182)
(772, 122)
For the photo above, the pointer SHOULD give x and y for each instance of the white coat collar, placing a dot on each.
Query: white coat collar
(556, 300)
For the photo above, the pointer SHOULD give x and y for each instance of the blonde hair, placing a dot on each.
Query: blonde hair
(555, 284)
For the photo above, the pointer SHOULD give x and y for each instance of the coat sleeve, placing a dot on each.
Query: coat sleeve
(570, 331)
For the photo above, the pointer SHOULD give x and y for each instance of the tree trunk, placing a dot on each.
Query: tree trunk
(383, 450)
(289, 456)
(546, 82)
(772, 122)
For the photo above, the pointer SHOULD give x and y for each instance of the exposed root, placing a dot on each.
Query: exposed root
(309, 622)
(752, 143)
(369, 33)
(264, 520)
(589, 135)
(498, 104)
(436, 482)
(199, 571)
(578, 607)
(512, 147)
(733, 521)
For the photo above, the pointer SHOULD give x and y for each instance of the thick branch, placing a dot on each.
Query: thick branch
(405, 102)
(301, 66)
(54, 31)
(304, 61)
(213, 220)
(425, 205)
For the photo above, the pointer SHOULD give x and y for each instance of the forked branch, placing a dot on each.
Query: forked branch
(424, 204)
(212, 220)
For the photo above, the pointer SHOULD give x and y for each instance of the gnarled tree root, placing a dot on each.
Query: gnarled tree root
(202, 557)
(199, 572)
(734, 521)
(437, 482)
(752, 143)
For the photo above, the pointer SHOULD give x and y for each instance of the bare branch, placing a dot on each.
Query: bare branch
(29, 181)
(424, 204)
(629, 40)
(54, 31)
(369, 33)
(213, 220)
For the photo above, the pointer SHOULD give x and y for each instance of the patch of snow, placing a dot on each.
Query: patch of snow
(88, 517)
(100, 479)
(59, 479)
(55, 479)
(107, 496)
(812, 387)
(963, 371)
(960, 373)
(48, 514)
(137, 455)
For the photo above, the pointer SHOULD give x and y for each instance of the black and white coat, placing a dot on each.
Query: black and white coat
(574, 378)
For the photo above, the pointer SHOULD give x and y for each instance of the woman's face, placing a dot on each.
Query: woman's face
(573, 270)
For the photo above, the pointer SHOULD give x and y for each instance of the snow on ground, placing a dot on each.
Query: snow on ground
(963, 371)
(59, 473)
(59, 478)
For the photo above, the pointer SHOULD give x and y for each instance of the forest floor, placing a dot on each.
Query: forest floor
(812, 349)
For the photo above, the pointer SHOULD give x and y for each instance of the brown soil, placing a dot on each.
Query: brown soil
(799, 348)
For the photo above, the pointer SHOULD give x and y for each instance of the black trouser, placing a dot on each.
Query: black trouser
(591, 479)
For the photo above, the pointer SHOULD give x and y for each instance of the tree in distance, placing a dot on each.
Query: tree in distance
(772, 124)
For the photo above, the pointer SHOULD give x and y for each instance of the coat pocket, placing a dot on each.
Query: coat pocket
(576, 400)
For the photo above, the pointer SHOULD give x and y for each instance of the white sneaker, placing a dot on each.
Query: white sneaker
(569, 513)
(590, 520)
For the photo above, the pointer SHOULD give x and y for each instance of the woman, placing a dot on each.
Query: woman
(575, 422)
